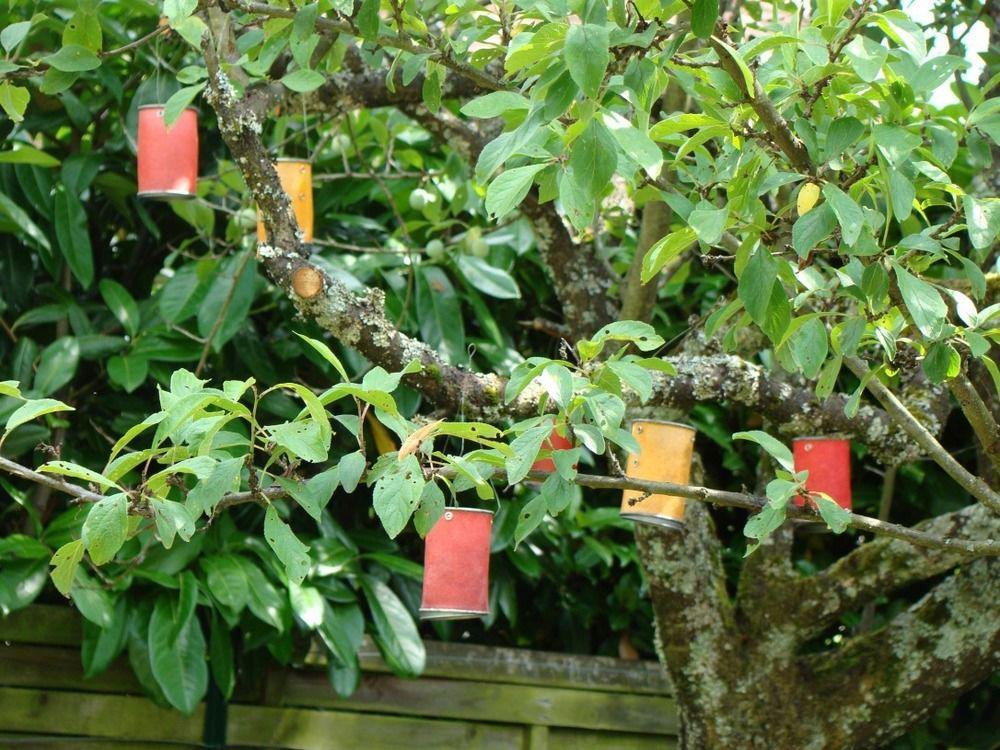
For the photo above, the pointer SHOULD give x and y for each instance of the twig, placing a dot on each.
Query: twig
(972, 484)
(978, 414)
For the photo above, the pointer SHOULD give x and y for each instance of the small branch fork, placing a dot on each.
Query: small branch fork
(721, 498)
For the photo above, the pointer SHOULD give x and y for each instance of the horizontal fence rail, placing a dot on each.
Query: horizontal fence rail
(474, 697)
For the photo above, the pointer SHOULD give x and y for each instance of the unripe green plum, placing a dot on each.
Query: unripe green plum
(435, 249)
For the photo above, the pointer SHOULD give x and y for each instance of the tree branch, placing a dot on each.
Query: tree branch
(877, 685)
(922, 437)
(883, 566)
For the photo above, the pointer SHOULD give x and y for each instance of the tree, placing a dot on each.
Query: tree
(839, 221)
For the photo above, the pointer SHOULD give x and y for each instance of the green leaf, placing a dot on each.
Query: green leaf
(809, 346)
(14, 100)
(180, 101)
(64, 563)
(495, 104)
(843, 132)
(303, 440)
(101, 645)
(73, 236)
(532, 513)
(220, 657)
(927, 309)
(635, 377)
(17, 215)
(206, 494)
(106, 527)
(22, 154)
(509, 188)
(314, 494)
(756, 283)
(397, 493)
(708, 222)
(121, 303)
(430, 509)
(837, 518)
(15, 33)
(172, 519)
(292, 552)
(179, 298)
(488, 279)
(128, 371)
(665, 250)
(704, 14)
(811, 229)
(760, 525)
(68, 469)
(31, 410)
(302, 80)
(774, 447)
(230, 296)
(526, 447)
(351, 466)
(395, 632)
(266, 604)
(226, 580)
(982, 218)
(20, 584)
(57, 365)
(642, 335)
(178, 661)
(942, 362)
(593, 159)
(324, 351)
(587, 56)
(901, 193)
(367, 19)
(73, 58)
(848, 213)
(866, 56)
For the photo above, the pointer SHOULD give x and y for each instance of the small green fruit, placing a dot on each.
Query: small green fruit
(418, 199)
(435, 249)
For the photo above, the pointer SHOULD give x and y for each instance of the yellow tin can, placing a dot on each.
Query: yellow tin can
(665, 451)
(296, 179)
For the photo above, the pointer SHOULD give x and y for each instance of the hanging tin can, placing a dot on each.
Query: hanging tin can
(554, 442)
(296, 181)
(828, 461)
(167, 154)
(457, 566)
(665, 450)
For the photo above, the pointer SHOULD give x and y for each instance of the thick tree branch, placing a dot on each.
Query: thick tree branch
(883, 566)
(878, 685)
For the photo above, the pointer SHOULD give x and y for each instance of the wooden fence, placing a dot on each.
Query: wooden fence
(471, 697)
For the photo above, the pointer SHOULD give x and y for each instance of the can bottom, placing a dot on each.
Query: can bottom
(166, 195)
(452, 614)
(669, 523)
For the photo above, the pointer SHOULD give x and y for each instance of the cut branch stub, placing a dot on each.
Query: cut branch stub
(307, 282)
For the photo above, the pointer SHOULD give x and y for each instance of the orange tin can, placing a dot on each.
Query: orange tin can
(167, 155)
(296, 179)
(665, 451)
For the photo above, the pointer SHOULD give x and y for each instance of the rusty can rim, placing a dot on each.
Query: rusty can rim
(653, 519)
(164, 106)
(451, 613)
(821, 438)
(293, 160)
(167, 194)
(664, 422)
(467, 510)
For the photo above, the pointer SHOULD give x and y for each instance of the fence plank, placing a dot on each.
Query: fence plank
(302, 729)
(54, 668)
(70, 742)
(575, 739)
(95, 715)
(60, 625)
(44, 624)
(461, 699)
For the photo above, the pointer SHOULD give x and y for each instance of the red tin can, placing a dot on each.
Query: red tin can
(457, 566)
(168, 156)
(828, 461)
(555, 442)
